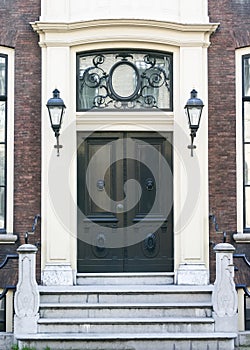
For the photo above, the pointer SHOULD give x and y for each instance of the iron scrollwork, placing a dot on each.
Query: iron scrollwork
(124, 81)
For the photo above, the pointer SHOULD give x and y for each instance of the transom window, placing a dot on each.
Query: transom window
(3, 123)
(246, 140)
(124, 80)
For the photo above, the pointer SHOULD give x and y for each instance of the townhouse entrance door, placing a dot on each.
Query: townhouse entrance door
(124, 187)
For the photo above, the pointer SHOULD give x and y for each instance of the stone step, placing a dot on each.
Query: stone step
(129, 341)
(124, 278)
(93, 310)
(125, 325)
(125, 293)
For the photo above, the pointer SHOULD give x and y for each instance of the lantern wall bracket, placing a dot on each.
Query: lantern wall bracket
(57, 146)
(192, 146)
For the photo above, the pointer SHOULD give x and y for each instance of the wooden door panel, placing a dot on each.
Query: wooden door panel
(155, 251)
(115, 160)
(96, 185)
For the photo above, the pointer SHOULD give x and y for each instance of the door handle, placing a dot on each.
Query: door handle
(100, 185)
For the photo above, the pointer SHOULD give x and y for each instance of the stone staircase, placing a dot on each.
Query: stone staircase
(126, 312)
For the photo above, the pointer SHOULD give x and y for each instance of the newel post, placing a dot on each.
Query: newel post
(26, 301)
(224, 297)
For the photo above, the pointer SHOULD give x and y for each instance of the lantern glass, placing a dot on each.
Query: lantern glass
(56, 113)
(194, 116)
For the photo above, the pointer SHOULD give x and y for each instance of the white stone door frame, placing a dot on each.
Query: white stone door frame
(188, 42)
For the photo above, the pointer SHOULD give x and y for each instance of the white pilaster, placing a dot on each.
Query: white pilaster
(57, 211)
(191, 211)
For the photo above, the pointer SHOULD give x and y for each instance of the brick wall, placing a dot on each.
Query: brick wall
(233, 33)
(16, 32)
(234, 19)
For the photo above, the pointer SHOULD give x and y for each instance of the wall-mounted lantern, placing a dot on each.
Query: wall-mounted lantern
(56, 108)
(194, 108)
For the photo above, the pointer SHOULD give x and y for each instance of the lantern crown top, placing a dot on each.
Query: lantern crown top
(56, 100)
(194, 101)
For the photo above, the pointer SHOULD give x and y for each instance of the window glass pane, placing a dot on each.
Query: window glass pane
(2, 121)
(2, 207)
(2, 165)
(247, 121)
(2, 315)
(247, 165)
(247, 207)
(2, 76)
(125, 80)
(247, 76)
(247, 313)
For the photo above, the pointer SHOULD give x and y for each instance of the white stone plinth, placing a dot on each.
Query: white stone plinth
(57, 275)
(24, 325)
(192, 274)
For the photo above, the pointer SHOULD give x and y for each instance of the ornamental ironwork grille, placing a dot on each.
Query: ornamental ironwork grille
(124, 80)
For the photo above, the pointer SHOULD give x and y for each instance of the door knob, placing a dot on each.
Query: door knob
(100, 185)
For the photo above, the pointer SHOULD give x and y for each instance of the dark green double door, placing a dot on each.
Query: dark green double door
(124, 188)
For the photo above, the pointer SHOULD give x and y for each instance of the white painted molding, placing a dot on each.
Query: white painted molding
(151, 121)
(123, 30)
(10, 145)
(8, 239)
(242, 237)
(69, 26)
(239, 53)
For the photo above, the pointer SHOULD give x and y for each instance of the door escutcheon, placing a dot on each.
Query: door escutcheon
(149, 184)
